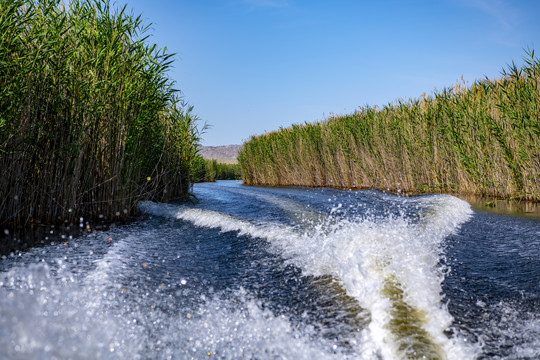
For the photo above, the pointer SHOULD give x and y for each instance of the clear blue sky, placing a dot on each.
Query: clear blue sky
(250, 66)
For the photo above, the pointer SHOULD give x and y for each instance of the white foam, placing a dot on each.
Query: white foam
(108, 264)
(44, 317)
(242, 329)
(363, 254)
(47, 316)
(516, 331)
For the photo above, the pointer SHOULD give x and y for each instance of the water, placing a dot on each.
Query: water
(282, 273)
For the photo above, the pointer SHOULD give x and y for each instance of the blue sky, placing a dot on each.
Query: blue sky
(250, 66)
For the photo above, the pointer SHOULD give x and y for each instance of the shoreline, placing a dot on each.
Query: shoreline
(480, 139)
(14, 240)
(18, 239)
(514, 206)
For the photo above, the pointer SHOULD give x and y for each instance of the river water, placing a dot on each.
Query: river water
(281, 273)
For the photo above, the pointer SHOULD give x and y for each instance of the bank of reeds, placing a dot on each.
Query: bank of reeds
(210, 170)
(89, 120)
(482, 139)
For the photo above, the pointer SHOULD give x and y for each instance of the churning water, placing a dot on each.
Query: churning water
(282, 273)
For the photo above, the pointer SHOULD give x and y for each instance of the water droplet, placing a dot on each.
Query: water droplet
(6, 231)
(183, 282)
(118, 213)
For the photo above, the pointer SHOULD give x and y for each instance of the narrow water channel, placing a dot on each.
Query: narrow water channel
(281, 273)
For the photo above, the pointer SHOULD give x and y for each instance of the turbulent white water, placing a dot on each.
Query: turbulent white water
(362, 254)
(268, 273)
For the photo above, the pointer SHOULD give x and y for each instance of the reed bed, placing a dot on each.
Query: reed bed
(482, 139)
(90, 122)
(210, 170)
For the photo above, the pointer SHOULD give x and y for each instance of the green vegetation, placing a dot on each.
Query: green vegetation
(483, 140)
(89, 120)
(212, 170)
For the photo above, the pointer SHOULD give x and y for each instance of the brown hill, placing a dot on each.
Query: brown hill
(224, 154)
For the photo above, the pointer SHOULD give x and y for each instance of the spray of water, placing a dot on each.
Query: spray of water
(388, 264)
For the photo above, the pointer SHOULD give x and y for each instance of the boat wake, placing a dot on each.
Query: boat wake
(389, 264)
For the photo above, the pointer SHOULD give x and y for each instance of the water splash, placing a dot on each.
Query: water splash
(386, 263)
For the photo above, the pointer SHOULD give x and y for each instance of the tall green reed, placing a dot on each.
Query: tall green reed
(90, 122)
(481, 139)
(210, 170)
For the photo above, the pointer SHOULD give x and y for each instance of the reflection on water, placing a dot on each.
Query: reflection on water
(504, 207)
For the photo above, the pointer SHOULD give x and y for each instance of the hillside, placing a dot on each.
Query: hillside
(224, 153)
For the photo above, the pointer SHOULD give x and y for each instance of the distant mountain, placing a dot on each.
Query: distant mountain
(225, 153)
